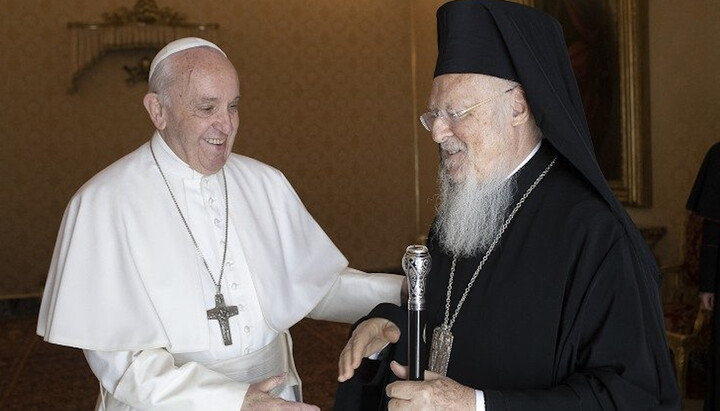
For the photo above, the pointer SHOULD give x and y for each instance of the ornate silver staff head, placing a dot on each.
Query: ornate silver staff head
(416, 264)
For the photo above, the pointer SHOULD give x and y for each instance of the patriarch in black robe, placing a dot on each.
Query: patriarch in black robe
(704, 200)
(560, 294)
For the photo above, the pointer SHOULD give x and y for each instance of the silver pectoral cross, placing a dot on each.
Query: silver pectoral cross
(221, 313)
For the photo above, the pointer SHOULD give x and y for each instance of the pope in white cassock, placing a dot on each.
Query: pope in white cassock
(180, 268)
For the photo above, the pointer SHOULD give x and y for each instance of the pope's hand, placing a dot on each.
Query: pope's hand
(257, 397)
(435, 393)
(368, 338)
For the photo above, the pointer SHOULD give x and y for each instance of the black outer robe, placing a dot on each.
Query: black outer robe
(705, 201)
(607, 260)
(554, 321)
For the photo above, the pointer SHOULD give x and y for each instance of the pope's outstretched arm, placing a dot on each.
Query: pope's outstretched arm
(355, 293)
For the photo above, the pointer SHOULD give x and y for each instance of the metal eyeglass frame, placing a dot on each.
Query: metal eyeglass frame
(428, 119)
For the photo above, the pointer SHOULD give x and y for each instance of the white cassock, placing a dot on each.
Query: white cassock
(127, 285)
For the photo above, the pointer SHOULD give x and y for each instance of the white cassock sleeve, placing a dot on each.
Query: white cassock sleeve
(149, 379)
(355, 293)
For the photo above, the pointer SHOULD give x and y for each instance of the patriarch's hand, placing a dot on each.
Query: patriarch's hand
(435, 393)
(368, 338)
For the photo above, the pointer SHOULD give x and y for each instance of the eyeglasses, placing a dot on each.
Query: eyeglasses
(428, 119)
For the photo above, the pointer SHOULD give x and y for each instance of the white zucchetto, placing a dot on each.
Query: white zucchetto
(179, 45)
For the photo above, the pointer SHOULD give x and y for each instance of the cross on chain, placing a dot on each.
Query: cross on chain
(222, 313)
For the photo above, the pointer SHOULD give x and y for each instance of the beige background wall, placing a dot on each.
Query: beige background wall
(325, 89)
(684, 92)
(331, 92)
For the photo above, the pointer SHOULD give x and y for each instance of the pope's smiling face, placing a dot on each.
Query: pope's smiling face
(200, 112)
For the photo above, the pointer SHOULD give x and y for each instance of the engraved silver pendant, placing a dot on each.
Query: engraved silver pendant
(442, 341)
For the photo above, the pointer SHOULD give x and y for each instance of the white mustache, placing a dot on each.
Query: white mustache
(452, 146)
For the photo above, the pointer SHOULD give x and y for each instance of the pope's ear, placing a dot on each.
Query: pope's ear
(520, 109)
(155, 109)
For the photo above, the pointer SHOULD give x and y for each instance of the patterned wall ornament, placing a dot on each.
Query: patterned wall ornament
(144, 11)
(139, 72)
(145, 26)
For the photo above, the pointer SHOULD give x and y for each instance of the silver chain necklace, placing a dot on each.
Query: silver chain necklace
(221, 312)
(442, 338)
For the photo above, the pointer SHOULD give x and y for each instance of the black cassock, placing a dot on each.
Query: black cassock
(556, 320)
(705, 201)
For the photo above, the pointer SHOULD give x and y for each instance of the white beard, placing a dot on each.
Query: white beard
(471, 212)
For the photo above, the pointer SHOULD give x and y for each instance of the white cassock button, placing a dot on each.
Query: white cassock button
(217, 222)
(246, 329)
(211, 200)
(234, 286)
(229, 264)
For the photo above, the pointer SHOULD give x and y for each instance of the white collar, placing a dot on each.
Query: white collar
(529, 156)
(170, 162)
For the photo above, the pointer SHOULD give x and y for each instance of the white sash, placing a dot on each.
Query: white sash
(271, 360)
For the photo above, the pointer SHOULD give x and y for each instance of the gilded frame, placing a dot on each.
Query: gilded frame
(632, 182)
